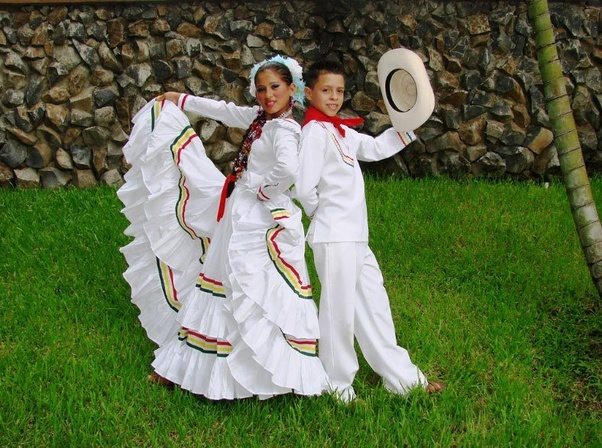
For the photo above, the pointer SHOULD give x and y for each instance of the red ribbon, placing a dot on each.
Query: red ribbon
(230, 180)
(314, 114)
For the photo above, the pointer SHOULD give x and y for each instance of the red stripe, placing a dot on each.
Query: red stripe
(302, 342)
(272, 238)
(210, 280)
(171, 281)
(230, 179)
(184, 101)
(263, 194)
(186, 143)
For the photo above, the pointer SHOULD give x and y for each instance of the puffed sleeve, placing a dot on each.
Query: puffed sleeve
(390, 142)
(311, 162)
(229, 114)
(285, 139)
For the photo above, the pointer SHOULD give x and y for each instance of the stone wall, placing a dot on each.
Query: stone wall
(71, 78)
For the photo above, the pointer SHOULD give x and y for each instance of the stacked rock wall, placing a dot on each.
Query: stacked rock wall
(71, 78)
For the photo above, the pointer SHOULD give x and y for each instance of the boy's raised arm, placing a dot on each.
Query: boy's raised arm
(311, 161)
(387, 144)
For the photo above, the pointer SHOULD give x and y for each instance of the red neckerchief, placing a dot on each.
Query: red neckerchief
(314, 114)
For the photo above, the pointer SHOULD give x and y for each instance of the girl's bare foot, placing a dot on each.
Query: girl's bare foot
(158, 379)
(434, 387)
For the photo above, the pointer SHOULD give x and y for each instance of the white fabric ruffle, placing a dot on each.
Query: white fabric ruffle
(230, 304)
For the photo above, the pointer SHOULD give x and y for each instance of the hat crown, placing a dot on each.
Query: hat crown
(406, 89)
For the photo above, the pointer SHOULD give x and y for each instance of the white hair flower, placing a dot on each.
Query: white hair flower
(294, 68)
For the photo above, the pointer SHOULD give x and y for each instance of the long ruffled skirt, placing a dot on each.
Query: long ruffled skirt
(229, 304)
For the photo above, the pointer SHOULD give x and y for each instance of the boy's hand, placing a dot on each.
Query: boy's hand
(170, 96)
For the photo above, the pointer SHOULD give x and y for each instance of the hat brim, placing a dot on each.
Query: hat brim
(406, 89)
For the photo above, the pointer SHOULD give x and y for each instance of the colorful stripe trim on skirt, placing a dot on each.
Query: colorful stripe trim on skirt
(280, 213)
(168, 286)
(177, 147)
(211, 286)
(308, 347)
(204, 247)
(285, 269)
(204, 343)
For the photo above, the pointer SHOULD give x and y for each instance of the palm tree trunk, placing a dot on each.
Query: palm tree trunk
(566, 139)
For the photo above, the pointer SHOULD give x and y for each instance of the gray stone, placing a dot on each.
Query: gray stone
(57, 114)
(471, 79)
(502, 110)
(27, 178)
(512, 135)
(139, 73)
(13, 98)
(423, 165)
(82, 156)
(39, 156)
(471, 132)
(13, 61)
(22, 119)
(538, 138)
(222, 151)
(476, 151)
(471, 111)
(84, 178)
(63, 159)
(97, 30)
(76, 31)
(36, 113)
(81, 118)
(105, 96)
(6, 176)
(256, 41)
(183, 67)
(108, 58)
(452, 164)
(13, 153)
(112, 178)
(95, 136)
(52, 177)
(450, 115)
(104, 116)
(66, 57)
(362, 102)
(116, 33)
(212, 131)
(26, 138)
(490, 165)
(448, 141)
(376, 123)
(520, 159)
(51, 137)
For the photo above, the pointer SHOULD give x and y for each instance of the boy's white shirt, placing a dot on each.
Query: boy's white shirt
(330, 185)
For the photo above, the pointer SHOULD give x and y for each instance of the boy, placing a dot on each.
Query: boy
(330, 187)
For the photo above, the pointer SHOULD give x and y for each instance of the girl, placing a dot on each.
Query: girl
(217, 264)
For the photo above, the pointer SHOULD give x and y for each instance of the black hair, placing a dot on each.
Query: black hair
(279, 68)
(321, 66)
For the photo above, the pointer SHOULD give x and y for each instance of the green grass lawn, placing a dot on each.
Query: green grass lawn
(488, 287)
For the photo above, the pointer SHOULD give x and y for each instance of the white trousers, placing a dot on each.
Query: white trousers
(354, 302)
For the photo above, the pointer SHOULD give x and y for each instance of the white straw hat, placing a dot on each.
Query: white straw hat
(406, 89)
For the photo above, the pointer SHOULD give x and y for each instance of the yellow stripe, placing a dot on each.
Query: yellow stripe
(169, 289)
(290, 275)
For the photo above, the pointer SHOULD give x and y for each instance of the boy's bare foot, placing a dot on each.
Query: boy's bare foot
(158, 379)
(434, 387)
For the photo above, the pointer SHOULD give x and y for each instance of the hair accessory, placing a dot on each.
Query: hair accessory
(296, 72)
(406, 89)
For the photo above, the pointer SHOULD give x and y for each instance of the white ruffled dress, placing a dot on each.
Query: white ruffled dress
(229, 304)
